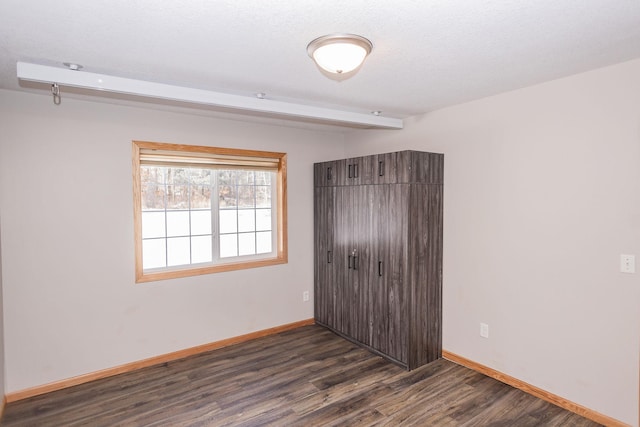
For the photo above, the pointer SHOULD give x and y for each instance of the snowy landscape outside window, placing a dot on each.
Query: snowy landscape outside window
(201, 210)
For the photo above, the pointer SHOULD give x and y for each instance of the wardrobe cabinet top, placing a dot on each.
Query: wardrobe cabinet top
(390, 168)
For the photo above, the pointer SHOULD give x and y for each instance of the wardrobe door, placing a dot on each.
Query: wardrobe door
(389, 296)
(325, 298)
(344, 217)
(425, 255)
(352, 259)
(360, 240)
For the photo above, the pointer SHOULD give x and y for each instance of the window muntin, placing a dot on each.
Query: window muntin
(203, 209)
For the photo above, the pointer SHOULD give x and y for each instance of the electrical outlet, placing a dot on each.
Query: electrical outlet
(627, 263)
(305, 296)
(484, 330)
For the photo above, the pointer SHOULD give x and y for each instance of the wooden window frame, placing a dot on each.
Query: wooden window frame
(186, 271)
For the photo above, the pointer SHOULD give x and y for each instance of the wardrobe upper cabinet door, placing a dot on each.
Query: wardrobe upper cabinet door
(320, 171)
(357, 171)
(362, 170)
(385, 168)
(329, 174)
(423, 168)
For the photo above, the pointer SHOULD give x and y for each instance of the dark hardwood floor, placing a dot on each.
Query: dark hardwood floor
(304, 377)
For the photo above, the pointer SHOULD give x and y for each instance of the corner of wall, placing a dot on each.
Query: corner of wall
(2, 373)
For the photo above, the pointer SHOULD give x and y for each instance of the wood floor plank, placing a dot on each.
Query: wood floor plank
(304, 377)
(433, 395)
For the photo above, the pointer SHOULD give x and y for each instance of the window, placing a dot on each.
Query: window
(202, 210)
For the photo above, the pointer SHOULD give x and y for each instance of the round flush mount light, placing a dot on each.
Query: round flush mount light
(339, 53)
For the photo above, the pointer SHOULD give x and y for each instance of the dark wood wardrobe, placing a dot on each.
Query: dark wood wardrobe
(378, 253)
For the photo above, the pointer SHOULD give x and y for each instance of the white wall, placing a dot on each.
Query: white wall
(71, 304)
(542, 195)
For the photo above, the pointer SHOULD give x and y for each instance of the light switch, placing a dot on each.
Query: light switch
(627, 263)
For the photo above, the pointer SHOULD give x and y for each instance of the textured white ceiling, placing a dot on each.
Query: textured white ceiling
(427, 53)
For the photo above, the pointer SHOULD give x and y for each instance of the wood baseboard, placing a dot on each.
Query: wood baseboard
(534, 391)
(156, 360)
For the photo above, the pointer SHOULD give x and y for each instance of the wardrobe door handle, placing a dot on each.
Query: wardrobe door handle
(350, 171)
(349, 261)
(329, 173)
(379, 268)
(329, 257)
(355, 170)
(381, 168)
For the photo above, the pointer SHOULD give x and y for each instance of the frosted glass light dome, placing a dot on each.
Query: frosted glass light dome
(339, 53)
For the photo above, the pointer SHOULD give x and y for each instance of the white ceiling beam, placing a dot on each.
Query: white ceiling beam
(103, 82)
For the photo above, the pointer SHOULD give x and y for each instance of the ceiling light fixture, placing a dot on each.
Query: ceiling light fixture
(65, 77)
(339, 53)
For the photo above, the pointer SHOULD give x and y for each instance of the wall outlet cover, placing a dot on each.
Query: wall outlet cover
(484, 330)
(627, 263)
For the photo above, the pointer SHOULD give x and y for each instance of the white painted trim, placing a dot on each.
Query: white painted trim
(103, 82)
